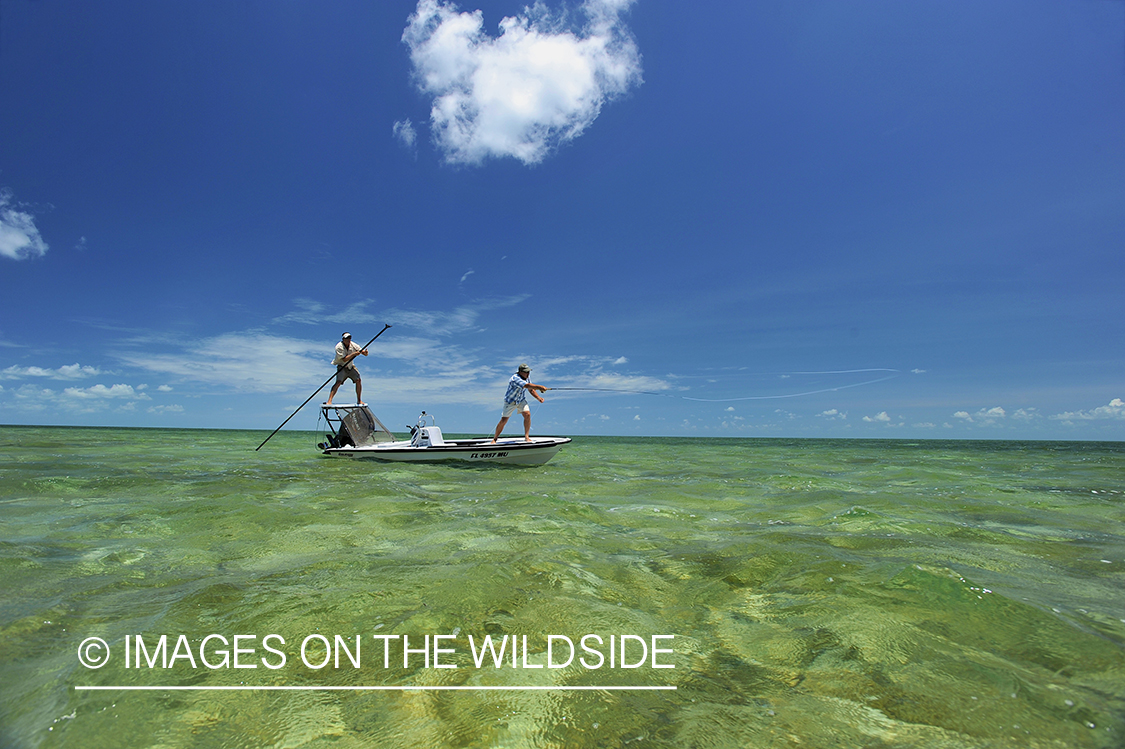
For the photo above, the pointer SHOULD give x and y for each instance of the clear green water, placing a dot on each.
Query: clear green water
(822, 593)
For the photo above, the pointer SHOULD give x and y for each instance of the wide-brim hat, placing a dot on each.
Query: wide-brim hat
(524, 368)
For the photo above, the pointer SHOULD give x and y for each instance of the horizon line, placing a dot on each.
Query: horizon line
(856, 437)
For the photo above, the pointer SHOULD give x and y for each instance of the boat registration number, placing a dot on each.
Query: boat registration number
(485, 456)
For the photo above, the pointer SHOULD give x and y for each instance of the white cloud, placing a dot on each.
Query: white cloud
(308, 312)
(245, 362)
(170, 409)
(101, 392)
(460, 320)
(405, 368)
(984, 417)
(312, 312)
(880, 417)
(536, 86)
(833, 414)
(65, 372)
(619, 361)
(75, 400)
(596, 379)
(19, 237)
(30, 398)
(404, 131)
(432, 368)
(918, 371)
(1115, 410)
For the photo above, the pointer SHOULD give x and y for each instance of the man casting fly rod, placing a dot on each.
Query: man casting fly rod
(515, 399)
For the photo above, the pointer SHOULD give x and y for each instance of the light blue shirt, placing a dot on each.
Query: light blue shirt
(516, 391)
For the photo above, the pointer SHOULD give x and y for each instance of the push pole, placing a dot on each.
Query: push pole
(275, 431)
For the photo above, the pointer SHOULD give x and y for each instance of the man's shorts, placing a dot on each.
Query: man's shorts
(346, 373)
(511, 408)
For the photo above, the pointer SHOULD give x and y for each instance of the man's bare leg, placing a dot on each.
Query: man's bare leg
(499, 428)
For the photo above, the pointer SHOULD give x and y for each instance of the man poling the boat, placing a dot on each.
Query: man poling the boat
(515, 399)
(386, 326)
(346, 352)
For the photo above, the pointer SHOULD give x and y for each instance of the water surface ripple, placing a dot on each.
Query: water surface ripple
(821, 592)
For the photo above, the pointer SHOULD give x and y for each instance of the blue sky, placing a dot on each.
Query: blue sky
(823, 219)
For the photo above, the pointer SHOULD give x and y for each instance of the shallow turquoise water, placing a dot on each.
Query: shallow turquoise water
(821, 593)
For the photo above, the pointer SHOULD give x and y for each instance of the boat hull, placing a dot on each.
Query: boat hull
(505, 451)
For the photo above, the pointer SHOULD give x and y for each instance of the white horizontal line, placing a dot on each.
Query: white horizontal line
(366, 689)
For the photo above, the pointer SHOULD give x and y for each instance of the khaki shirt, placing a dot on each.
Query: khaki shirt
(341, 352)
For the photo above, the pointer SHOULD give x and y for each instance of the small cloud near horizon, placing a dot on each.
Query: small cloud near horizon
(1114, 410)
(984, 417)
(76, 400)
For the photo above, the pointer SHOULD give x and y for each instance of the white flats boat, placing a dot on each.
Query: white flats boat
(356, 433)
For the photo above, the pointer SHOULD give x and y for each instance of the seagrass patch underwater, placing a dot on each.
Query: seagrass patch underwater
(812, 592)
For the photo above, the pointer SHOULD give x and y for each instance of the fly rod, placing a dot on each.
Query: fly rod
(275, 431)
(612, 390)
